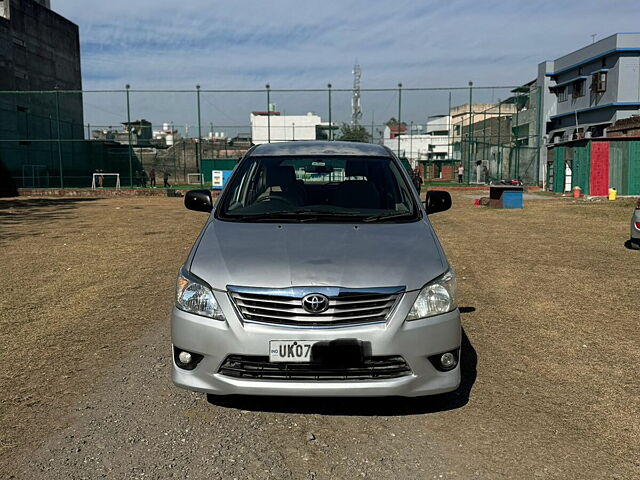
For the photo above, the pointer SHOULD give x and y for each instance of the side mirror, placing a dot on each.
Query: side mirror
(437, 201)
(198, 200)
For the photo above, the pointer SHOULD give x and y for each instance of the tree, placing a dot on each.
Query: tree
(393, 122)
(354, 133)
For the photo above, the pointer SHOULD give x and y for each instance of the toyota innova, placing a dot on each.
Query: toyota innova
(317, 273)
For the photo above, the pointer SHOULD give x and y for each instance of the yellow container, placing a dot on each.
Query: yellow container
(612, 193)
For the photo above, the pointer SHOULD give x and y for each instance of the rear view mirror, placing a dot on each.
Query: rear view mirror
(437, 201)
(198, 200)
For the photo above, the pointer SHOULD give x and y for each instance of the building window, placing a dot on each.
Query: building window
(562, 94)
(578, 88)
(599, 82)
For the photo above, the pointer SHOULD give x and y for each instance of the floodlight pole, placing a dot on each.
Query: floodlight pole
(198, 146)
(399, 114)
(130, 140)
(268, 113)
(59, 136)
(330, 124)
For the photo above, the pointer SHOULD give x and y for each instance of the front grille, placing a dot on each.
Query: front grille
(284, 307)
(256, 367)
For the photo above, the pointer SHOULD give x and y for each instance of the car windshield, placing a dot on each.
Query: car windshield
(318, 188)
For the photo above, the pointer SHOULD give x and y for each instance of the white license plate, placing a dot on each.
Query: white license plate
(290, 350)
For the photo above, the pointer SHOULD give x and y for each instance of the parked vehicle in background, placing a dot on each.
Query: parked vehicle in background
(317, 274)
(634, 241)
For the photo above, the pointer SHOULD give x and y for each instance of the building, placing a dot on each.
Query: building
(590, 98)
(588, 90)
(430, 146)
(274, 127)
(39, 50)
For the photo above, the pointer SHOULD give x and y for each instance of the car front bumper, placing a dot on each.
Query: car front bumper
(635, 231)
(415, 341)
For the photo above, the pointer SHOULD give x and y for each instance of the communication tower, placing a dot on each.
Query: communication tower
(356, 105)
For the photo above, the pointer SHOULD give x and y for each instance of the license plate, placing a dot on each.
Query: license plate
(291, 350)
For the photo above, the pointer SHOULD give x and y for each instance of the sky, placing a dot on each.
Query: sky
(305, 44)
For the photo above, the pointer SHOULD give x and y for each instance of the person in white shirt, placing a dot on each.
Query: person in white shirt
(460, 173)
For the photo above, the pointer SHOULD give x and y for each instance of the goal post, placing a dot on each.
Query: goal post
(199, 178)
(96, 183)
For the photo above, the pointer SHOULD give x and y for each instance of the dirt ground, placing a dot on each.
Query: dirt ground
(551, 389)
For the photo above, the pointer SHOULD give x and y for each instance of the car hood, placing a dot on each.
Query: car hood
(302, 254)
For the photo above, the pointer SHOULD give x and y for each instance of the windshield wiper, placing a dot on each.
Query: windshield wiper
(388, 216)
(301, 215)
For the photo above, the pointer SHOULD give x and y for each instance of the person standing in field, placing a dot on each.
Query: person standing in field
(460, 172)
(152, 177)
(417, 181)
(166, 179)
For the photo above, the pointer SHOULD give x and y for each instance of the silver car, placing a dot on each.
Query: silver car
(634, 241)
(318, 273)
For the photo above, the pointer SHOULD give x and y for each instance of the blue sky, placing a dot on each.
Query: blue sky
(244, 44)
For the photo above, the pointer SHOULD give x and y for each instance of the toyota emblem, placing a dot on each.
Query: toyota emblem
(315, 303)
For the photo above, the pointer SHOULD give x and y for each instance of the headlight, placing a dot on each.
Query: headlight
(195, 296)
(437, 297)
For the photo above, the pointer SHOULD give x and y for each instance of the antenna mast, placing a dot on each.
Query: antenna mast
(356, 106)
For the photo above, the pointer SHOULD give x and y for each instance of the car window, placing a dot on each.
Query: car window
(318, 188)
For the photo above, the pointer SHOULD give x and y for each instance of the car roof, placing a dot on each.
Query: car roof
(320, 148)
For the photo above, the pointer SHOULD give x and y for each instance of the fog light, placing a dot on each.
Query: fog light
(185, 357)
(186, 360)
(448, 360)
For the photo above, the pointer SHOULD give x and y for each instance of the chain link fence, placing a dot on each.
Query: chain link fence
(73, 139)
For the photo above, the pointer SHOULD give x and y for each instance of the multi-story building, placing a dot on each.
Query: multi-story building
(430, 146)
(39, 51)
(590, 89)
(584, 94)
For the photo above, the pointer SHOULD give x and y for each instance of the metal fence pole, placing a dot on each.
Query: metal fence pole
(330, 124)
(539, 181)
(130, 138)
(199, 144)
(268, 113)
(399, 114)
(411, 142)
(470, 132)
(499, 172)
(59, 136)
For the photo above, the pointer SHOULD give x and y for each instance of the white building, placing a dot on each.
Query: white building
(286, 128)
(434, 145)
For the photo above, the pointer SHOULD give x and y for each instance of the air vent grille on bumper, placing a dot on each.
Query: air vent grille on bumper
(256, 367)
(345, 308)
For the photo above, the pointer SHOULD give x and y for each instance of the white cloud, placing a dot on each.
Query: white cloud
(305, 44)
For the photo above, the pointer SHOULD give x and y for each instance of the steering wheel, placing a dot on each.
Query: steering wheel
(275, 200)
